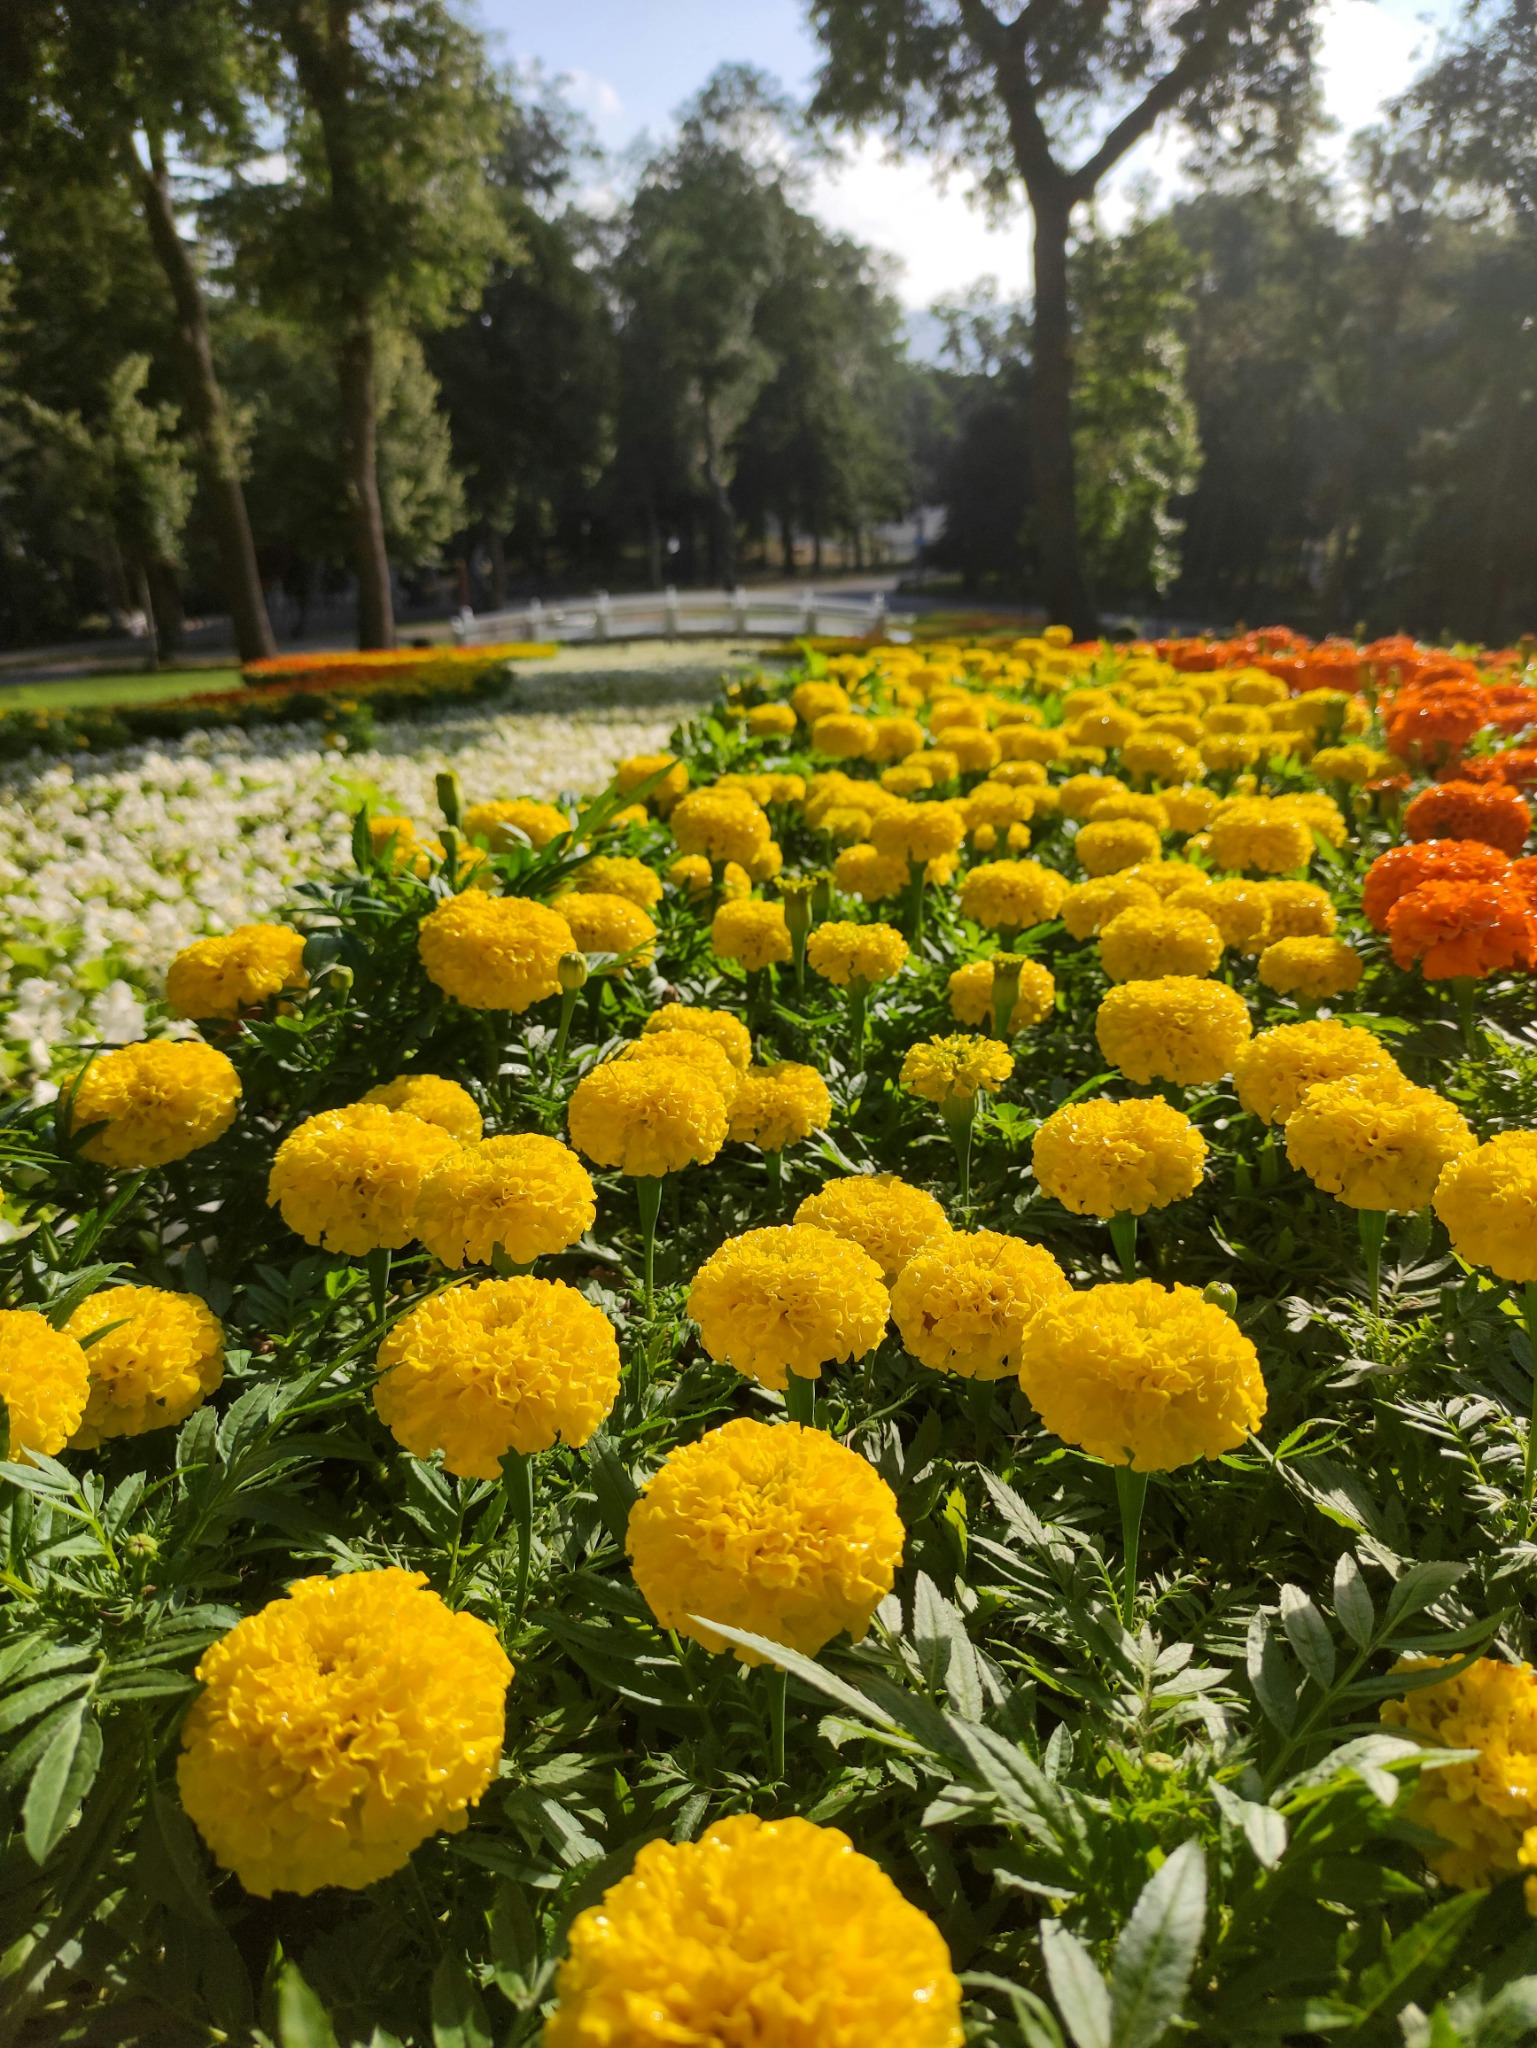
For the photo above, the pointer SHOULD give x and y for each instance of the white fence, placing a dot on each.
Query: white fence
(671, 614)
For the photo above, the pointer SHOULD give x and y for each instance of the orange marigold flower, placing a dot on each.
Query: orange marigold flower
(1435, 723)
(1461, 928)
(1395, 873)
(1490, 812)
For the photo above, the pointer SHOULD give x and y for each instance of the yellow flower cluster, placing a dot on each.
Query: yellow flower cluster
(1118, 1158)
(1108, 846)
(528, 1194)
(238, 970)
(1089, 906)
(1275, 1071)
(779, 1105)
(1146, 944)
(878, 1212)
(856, 954)
(1178, 1028)
(44, 1382)
(1375, 1142)
(499, 823)
(610, 924)
(1484, 1810)
(158, 1356)
(639, 768)
(156, 1102)
(338, 1728)
(496, 1366)
(647, 1118)
(1012, 895)
(1487, 1198)
(955, 1069)
(728, 1031)
(721, 824)
(617, 874)
(348, 1179)
(712, 1942)
(433, 1099)
(494, 952)
(971, 994)
(693, 1052)
(1316, 969)
(752, 932)
(965, 1301)
(786, 1299)
(767, 1527)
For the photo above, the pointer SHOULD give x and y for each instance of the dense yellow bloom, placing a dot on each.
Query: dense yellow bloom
(1255, 832)
(689, 1049)
(494, 952)
(1163, 755)
(1225, 752)
(1315, 968)
(1108, 728)
(706, 1940)
(1080, 793)
(619, 874)
(433, 1099)
(1354, 763)
(814, 700)
(1145, 944)
(788, 1299)
(1031, 743)
(610, 924)
(766, 862)
(44, 1382)
(1118, 1158)
(348, 1179)
(495, 1366)
(1274, 1073)
(771, 721)
(753, 932)
(964, 1302)
(1130, 804)
(862, 954)
(1250, 720)
(1012, 895)
(728, 1032)
(647, 1118)
(1177, 1028)
(908, 778)
(164, 1358)
(157, 1100)
(878, 1212)
(1375, 1142)
(1239, 910)
(767, 1527)
(1299, 910)
(639, 768)
(499, 821)
(950, 1070)
(779, 1105)
(722, 824)
(861, 871)
(1487, 1199)
(1485, 1810)
(691, 871)
(843, 735)
(1117, 843)
(973, 748)
(1089, 906)
(1190, 809)
(340, 1727)
(918, 832)
(529, 1194)
(971, 994)
(896, 738)
(238, 970)
(1165, 878)
(1142, 1375)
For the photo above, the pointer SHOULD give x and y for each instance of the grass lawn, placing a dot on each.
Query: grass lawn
(103, 691)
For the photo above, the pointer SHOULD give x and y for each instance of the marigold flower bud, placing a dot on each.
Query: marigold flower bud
(571, 971)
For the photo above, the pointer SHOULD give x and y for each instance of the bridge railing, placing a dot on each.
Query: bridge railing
(672, 614)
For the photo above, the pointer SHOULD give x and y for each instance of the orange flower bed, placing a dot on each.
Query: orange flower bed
(1461, 930)
(351, 669)
(1404, 868)
(1490, 812)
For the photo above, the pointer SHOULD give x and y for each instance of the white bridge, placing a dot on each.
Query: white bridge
(674, 615)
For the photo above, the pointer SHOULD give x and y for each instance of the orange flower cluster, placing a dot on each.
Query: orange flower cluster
(1395, 873)
(1461, 929)
(1491, 812)
(1429, 724)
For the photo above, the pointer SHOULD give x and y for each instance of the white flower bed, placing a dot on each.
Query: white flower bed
(112, 864)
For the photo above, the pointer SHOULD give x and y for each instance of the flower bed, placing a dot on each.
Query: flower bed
(876, 1390)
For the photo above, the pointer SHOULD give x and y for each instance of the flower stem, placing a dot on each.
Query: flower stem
(1463, 986)
(960, 1120)
(1123, 1235)
(378, 1263)
(801, 1400)
(776, 1706)
(1131, 1492)
(568, 998)
(1373, 1224)
(518, 1478)
(648, 1196)
(1529, 1475)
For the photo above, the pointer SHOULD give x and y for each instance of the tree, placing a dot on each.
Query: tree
(101, 88)
(1010, 96)
(384, 220)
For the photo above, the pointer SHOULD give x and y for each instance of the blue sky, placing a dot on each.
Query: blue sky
(632, 62)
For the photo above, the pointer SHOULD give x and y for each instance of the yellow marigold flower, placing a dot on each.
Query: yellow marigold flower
(1355, 764)
(766, 862)
(973, 749)
(908, 778)
(896, 738)
(348, 1179)
(788, 1299)
(844, 824)
(1319, 811)
(164, 1358)
(1146, 944)
(722, 824)
(995, 805)
(1177, 1028)
(1373, 1141)
(690, 1049)
(1142, 1375)
(1254, 832)
(691, 871)
(157, 1101)
(495, 1366)
(433, 1099)
(1109, 728)
(1012, 895)
(816, 700)
(878, 1212)
(861, 871)
(639, 768)
(1162, 755)
(861, 954)
(971, 994)
(1299, 910)
(395, 841)
(340, 1727)
(1273, 1073)
(1487, 1199)
(499, 821)
(494, 952)
(702, 1933)
(1107, 848)
(753, 932)
(1080, 793)
(918, 832)
(843, 735)
(1239, 910)
(1484, 1810)
(964, 1302)
(619, 874)
(1164, 877)
(1018, 775)
(44, 1382)
(647, 1117)
(610, 924)
(1132, 804)
(779, 1105)
(1190, 810)
(1031, 743)
(1315, 968)
(238, 970)
(767, 1527)
(728, 1032)
(771, 721)
(1089, 906)
(951, 1070)
(735, 883)
(1226, 752)
(955, 712)
(1118, 1158)
(941, 764)
(530, 1195)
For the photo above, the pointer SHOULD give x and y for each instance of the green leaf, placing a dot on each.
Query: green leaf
(1420, 1587)
(33, 1700)
(1353, 1603)
(65, 1773)
(514, 1941)
(1429, 1943)
(1308, 1634)
(1031, 2015)
(458, 2010)
(181, 1858)
(1156, 1953)
(5, 1431)
(1082, 1996)
(302, 2020)
(1272, 1684)
(1263, 1828)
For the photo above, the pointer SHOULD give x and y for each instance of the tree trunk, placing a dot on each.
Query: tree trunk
(360, 473)
(208, 414)
(1052, 465)
(653, 545)
(167, 614)
(787, 542)
(722, 516)
(497, 546)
